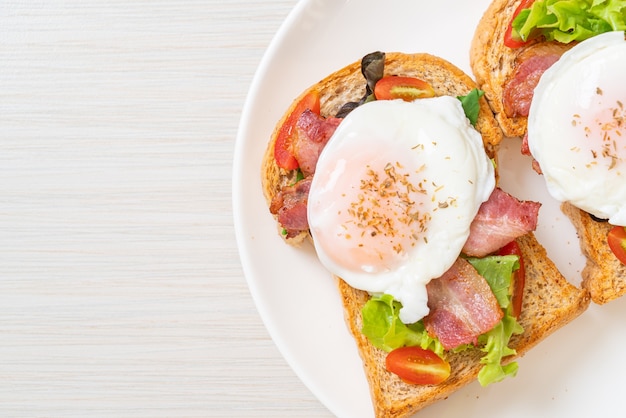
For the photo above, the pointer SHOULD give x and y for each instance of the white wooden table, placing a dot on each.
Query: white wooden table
(121, 291)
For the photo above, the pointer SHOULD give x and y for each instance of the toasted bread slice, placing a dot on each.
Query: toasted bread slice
(348, 85)
(493, 63)
(604, 275)
(549, 303)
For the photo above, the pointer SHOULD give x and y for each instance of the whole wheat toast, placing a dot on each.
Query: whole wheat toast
(604, 275)
(348, 85)
(549, 302)
(493, 64)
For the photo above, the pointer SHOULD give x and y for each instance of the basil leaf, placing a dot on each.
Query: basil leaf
(471, 104)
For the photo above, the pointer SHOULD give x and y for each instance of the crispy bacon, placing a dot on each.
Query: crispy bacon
(290, 207)
(532, 62)
(311, 134)
(518, 92)
(462, 306)
(500, 220)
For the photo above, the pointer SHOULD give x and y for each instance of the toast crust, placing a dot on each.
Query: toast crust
(549, 303)
(493, 63)
(603, 275)
(348, 84)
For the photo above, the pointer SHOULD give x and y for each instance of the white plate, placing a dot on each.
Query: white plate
(576, 371)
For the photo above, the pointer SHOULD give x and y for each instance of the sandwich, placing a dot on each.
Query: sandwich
(388, 167)
(552, 72)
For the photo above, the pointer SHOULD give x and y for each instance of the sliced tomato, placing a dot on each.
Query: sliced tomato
(509, 40)
(415, 365)
(519, 276)
(405, 88)
(282, 147)
(617, 242)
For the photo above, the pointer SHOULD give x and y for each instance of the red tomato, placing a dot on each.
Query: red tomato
(405, 88)
(617, 242)
(508, 38)
(519, 276)
(282, 148)
(417, 366)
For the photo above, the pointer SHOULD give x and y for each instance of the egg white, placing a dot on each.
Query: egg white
(393, 196)
(577, 127)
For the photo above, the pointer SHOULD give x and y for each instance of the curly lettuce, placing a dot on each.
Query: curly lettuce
(569, 20)
(498, 271)
(384, 329)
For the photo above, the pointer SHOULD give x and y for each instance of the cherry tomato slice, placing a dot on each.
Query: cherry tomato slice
(617, 242)
(519, 277)
(508, 34)
(282, 147)
(405, 88)
(415, 365)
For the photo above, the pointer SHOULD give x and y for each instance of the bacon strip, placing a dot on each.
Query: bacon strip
(311, 134)
(531, 63)
(518, 92)
(290, 207)
(500, 220)
(462, 306)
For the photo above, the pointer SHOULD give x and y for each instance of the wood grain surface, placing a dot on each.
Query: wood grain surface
(121, 290)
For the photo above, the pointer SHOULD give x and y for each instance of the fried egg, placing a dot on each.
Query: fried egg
(577, 127)
(394, 193)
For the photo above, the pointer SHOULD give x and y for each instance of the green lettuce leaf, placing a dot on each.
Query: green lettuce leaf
(496, 346)
(498, 271)
(382, 326)
(471, 104)
(569, 20)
